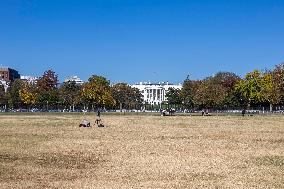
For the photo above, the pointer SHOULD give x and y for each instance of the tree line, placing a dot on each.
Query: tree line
(46, 95)
(226, 90)
(223, 91)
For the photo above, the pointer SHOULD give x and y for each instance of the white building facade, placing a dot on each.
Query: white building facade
(75, 78)
(155, 93)
(5, 84)
(30, 79)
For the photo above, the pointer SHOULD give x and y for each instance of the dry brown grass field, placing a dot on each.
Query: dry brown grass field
(51, 151)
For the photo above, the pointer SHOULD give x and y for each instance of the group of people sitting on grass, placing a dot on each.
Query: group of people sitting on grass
(98, 122)
(168, 111)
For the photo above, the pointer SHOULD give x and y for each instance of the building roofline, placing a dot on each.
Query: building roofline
(155, 84)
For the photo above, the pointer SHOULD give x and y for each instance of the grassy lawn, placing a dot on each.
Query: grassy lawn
(138, 151)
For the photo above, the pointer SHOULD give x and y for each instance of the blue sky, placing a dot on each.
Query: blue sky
(141, 40)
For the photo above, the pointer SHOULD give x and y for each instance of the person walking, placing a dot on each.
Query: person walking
(99, 114)
(243, 112)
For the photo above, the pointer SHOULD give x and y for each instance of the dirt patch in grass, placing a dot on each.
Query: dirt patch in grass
(48, 167)
(61, 161)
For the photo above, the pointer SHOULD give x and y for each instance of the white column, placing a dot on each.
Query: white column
(157, 94)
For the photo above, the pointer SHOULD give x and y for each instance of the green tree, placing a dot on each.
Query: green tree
(278, 81)
(69, 94)
(14, 99)
(48, 99)
(3, 99)
(188, 91)
(216, 91)
(209, 94)
(47, 89)
(97, 93)
(226, 81)
(270, 92)
(273, 86)
(173, 96)
(250, 88)
(126, 97)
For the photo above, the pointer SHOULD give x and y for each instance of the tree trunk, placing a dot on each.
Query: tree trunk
(248, 104)
(271, 107)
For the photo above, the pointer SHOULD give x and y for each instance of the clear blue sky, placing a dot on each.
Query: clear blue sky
(141, 40)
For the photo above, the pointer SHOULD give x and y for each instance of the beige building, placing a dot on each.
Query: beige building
(8, 74)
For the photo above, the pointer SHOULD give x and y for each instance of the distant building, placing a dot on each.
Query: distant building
(5, 84)
(8, 74)
(30, 79)
(77, 80)
(155, 93)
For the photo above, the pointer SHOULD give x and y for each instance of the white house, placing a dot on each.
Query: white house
(155, 93)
